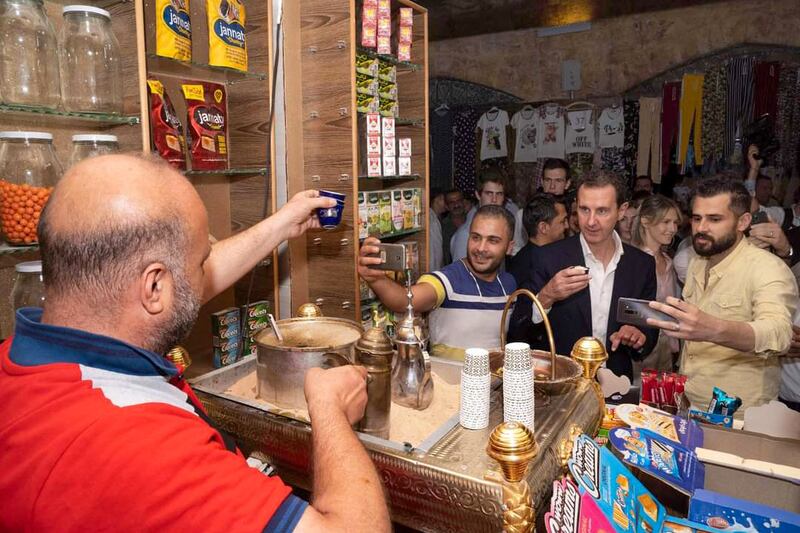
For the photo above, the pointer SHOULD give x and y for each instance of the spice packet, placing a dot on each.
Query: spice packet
(166, 130)
(206, 110)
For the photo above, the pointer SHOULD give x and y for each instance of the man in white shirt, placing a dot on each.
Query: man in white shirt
(583, 301)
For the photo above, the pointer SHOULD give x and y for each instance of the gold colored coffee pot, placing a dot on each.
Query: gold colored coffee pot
(309, 310)
(374, 351)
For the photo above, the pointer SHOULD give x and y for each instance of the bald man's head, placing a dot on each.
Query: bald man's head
(107, 222)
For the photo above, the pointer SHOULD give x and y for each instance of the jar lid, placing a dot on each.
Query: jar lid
(92, 137)
(29, 266)
(27, 135)
(86, 9)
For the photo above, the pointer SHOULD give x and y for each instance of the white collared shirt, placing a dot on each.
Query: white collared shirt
(601, 287)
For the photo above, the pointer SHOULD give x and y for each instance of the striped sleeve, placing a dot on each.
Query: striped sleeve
(287, 516)
(437, 285)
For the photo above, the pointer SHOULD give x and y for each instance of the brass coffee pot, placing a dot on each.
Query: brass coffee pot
(374, 352)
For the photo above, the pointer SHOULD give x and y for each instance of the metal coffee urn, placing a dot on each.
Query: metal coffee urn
(374, 352)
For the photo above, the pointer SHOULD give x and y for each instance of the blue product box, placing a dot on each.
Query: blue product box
(227, 352)
(679, 525)
(682, 430)
(628, 506)
(712, 418)
(733, 514)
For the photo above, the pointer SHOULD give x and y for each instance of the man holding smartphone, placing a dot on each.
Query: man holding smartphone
(737, 304)
(465, 298)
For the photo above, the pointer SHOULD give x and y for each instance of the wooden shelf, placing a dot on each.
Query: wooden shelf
(390, 59)
(398, 235)
(257, 171)
(194, 70)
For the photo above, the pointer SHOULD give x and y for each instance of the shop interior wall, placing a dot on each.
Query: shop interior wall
(615, 54)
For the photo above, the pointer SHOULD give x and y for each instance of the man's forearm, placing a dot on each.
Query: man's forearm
(391, 294)
(733, 334)
(233, 257)
(347, 491)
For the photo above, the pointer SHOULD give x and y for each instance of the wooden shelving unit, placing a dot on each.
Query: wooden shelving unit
(323, 150)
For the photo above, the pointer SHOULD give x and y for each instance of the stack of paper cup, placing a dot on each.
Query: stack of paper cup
(475, 389)
(518, 402)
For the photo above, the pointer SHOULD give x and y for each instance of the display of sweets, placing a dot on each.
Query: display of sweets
(373, 213)
(408, 209)
(385, 223)
(397, 210)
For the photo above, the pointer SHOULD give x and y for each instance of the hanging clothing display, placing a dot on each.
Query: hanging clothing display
(524, 124)
(691, 118)
(613, 160)
(550, 131)
(648, 161)
(579, 138)
(630, 112)
(611, 128)
(464, 150)
(494, 141)
(740, 99)
(788, 119)
(670, 114)
(715, 94)
(765, 99)
(441, 143)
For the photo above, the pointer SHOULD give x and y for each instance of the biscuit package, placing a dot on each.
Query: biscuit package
(206, 114)
(166, 130)
(173, 29)
(226, 34)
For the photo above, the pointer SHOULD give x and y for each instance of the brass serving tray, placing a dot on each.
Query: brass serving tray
(439, 485)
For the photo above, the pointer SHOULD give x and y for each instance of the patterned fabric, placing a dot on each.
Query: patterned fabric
(580, 164)
(787, 125)
(631, 112)
(441, 133)
(464, 150)
(715, 94)
(613, 160)
(740, 100)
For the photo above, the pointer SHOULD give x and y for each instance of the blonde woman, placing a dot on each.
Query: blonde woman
(652, 232)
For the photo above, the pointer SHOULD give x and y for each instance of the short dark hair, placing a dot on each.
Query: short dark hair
(99, 264)
(435, 193)
(541, 208)
(555, 164)
(602, 178)
(497, 211)
(490, 175)
(740, 198)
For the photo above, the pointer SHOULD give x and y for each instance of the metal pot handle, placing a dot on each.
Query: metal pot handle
(333, 359)
(546, 321)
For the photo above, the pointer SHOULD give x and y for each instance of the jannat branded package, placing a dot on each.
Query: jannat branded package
(173, 29)
(206, 114)
(226, 34)
(165, 126)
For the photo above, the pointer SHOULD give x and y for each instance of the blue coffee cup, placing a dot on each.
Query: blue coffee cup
(330, 217)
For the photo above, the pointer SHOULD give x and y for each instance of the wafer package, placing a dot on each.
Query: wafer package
(206, 111)
(173, 29)
(226, 34)
(166, 130)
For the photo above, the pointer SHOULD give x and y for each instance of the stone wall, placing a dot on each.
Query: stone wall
(617, 53)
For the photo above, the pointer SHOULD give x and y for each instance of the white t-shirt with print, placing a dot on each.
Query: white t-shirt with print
(524, 124)
(580, 137)
(550, 131)
(611, 126)
(493, 125)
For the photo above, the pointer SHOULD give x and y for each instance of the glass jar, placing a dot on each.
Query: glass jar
(85, 146)
(28, 285)
(28, 55)
(91, 71)
(29, 169)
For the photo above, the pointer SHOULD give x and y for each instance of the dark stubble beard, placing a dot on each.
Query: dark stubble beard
(178, 326)
(716, 246)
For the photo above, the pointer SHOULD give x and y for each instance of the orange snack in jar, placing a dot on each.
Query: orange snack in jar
(20, 209)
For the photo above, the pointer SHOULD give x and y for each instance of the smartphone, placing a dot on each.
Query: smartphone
(636, 312)
(759, 217)
(392, 256)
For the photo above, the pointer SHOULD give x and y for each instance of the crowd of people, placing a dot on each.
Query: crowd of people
(715, 259)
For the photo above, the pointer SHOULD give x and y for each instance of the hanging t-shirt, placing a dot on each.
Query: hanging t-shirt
(550, 131)
(580, 132)
(493, 125)
(524, 124)
(611, 126)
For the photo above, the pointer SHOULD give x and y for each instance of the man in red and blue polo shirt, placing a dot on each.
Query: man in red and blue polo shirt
(97, 429)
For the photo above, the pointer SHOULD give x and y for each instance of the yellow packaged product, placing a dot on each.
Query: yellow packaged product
(173, 29)
(226, 34)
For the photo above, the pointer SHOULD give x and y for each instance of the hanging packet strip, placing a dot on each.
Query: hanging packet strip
(206, 110)
(173, 29)
(226, 34)
(165, 126)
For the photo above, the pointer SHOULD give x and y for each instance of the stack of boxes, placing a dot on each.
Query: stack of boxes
(385, 155)
(233, 331)
(384, 27)
(376, 28)
(384, 213)
(369, 24)
(404, 34)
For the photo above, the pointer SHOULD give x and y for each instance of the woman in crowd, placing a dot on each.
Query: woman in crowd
(652, 232)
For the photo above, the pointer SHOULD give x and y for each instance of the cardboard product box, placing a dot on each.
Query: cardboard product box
(255, 317)
(387, 126)
(408, 209)
(403, 52)
(225, 333)
(363, 214)
(388, 146)
(374, 213)
(403, 166)
(385, 8)
(366, 65)
(387, 72)
(384, 44)
(404, 147)
(679, 525)
(223, 318)
(366, 103)
(417, 203)
(385, 223)
(387, 90)
(249, 347)
(373, 124)
(374, 146)
(389, 165)
(732, 514)
(572, 511)
(227, 352)
(678, 429)
(369, 23)
(406, 16)
(384, 26)
(388, 108)
(374, 168)
(366, 84)
(397, 210)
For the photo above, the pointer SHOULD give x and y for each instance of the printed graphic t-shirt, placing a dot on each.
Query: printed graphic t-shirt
(493, 125)
(524, 124)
